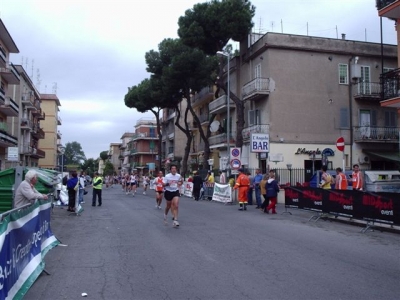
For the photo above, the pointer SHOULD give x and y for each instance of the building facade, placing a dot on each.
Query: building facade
(9, 109)
(300, 95)
(124, 152)
(114, 156)
(50, 144)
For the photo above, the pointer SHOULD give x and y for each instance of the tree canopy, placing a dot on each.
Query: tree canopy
(74, 154)
(210, 25)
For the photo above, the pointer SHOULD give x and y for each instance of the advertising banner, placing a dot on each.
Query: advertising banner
(25, 238)
(188, 189)
(222, 193)
(376, 207)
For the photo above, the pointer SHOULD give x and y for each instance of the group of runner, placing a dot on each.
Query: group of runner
(167, 186)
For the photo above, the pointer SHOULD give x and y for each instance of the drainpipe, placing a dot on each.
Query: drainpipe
(351, 113)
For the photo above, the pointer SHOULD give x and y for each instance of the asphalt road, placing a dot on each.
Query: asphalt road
(123, 250)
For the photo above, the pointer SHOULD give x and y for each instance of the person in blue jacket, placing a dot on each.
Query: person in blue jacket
(71, 184)
(272, 189)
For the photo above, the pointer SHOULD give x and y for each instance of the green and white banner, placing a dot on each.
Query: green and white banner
(222, 193)
(25, 238)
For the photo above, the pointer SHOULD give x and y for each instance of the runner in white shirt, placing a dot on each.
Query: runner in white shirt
(133, 184)
(172, 183)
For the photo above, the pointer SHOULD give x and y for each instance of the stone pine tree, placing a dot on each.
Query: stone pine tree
(209, 26)
(182, 71)
(149, 96)
(74, 154)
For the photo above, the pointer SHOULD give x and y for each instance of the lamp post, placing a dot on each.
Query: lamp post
(228, 98)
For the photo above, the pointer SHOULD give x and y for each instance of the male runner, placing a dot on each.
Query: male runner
(172, 183)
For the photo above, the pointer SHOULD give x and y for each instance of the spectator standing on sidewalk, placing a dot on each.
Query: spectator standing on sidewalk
(72, 188)
(272, 194)
(97, 187)
(81, 187)
(257, 189)
(197, 184)
(250, 189)
(242, 183)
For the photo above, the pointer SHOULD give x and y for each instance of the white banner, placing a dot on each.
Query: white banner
(188, 189)
(222, 193)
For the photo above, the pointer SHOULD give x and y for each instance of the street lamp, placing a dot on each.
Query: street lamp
(227, 54)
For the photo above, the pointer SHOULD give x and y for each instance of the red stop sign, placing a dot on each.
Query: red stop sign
(340, 144)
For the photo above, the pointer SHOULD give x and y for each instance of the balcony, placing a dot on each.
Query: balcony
(376, 134)
(10, 74)
(27, 102)
(219, 105)
(59, 120)
(368, 91)
(259, 128)
(220, 141)
(6, 139)
(26, 124)
(171, 136)
(26, 150)
(37, 132)
(204, 96)
(37, 153)
(9, 108)
(3, 57)
(390, 88)
(388, 8)
(258, 88)
(59, 134)
(145, 136)
(126, 153)
(143, 151)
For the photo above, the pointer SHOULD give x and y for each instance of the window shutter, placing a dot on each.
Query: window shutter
(344, 118)
(252, 117)
(373, 118)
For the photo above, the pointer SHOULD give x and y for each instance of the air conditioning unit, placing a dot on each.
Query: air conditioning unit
(142, 134)
(363, 160)
(23, 98)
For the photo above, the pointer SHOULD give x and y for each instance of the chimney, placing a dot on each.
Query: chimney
(343, 36)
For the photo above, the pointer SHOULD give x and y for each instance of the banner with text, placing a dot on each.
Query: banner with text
(378, 207)
(222, 193)
(25, 238)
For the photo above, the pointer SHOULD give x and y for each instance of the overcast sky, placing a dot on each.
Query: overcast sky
(91, 51)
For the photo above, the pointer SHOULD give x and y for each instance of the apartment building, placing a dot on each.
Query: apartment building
(301, 94)
(124, 152)
(114, 156)
(28, 122)
(143, 146)
(173, 139)
(9, 109)
(50, 144)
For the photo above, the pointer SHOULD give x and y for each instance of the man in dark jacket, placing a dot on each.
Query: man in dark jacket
(197, 184)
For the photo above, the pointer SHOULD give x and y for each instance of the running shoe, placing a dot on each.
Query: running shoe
(157, 206)
(175, 223)
(144, 193)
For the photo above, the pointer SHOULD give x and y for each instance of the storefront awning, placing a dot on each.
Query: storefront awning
(387, 155)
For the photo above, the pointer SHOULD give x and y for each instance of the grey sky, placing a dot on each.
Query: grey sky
(93, 50)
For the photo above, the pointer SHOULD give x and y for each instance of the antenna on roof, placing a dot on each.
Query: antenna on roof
(38, 81)
(55, 88)
(32, 69)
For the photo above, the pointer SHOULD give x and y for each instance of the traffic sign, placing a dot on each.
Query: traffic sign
(235, 152)
(340, 144)
(236, 164)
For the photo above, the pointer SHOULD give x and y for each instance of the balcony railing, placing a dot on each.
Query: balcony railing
(368, 91)
(376, 134)
(7, 139)
(220, 139)
(38, 153)
(258, 88)
(259, 128)
(9, 108)
(390, 84)
(206, 94)
(10, 74)
(26, 100)
(59, 120)
(383, 3)
(219, 105)
(26, 124)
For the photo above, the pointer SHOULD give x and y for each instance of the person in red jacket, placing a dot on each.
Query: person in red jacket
(243, 184)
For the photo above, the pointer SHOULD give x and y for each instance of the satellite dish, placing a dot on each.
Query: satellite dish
(214, 126)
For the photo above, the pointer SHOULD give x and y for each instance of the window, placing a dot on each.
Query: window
(253, 117)
(344, 118)
(343, 74)
(390, 118)
(365, 81)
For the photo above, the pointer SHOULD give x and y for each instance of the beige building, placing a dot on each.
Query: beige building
(124, 152)
(9, 109)
(300, 95)
(50, 144)
(114, 156)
